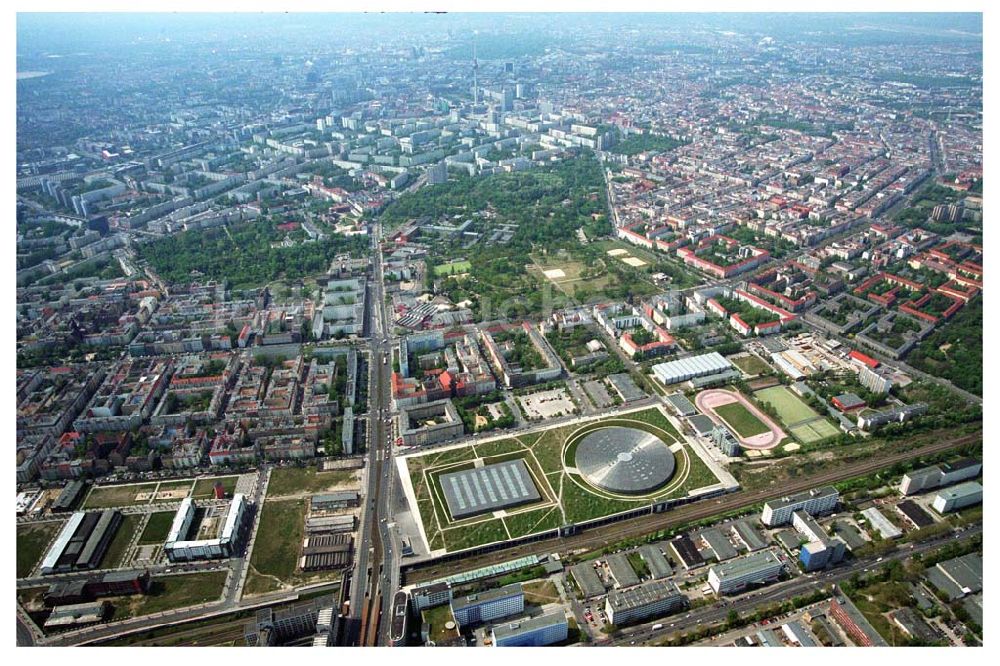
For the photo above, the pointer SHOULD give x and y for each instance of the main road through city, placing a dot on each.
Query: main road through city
(376, 572)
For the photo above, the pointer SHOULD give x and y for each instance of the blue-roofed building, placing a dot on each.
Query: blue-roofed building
(817, 554)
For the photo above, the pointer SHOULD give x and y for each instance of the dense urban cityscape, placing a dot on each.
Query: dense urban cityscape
(486, 330)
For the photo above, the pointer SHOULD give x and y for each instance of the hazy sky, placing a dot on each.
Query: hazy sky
(48, 31)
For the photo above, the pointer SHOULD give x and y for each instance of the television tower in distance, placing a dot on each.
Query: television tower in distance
(475, 70)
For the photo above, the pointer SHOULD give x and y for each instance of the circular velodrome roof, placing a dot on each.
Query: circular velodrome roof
(624, 460)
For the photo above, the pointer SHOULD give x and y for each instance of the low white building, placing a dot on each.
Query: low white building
(958, 497)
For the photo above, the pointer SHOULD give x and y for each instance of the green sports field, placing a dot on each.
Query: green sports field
(790, 408)
(814, 431)
(801, 420)
(741, 420)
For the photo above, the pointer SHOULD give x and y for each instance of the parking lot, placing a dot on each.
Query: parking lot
(547, 404)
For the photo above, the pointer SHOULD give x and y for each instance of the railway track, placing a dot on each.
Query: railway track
(598, 537)
(373, 622)
(207, 634)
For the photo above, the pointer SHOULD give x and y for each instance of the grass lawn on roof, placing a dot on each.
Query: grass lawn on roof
(566, 498)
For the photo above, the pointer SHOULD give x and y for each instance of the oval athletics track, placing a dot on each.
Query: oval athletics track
(710, 400)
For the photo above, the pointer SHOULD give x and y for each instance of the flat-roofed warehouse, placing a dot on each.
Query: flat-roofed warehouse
(653, 598)
(681, 405)
(686, 552)
(329, 524)
(588, 580)
(475, 491)
(702, 424)
(851, 536)
(622, 571)
(760, 567)
(958, 577)
(719, 544)
(69, 496)
(626, 388)
(77, 614)
(748, 535)
(914, 513)
(344, 499)
(958, 497)
(879, 522)
(683, 369)
(658, 565)
(111, 584)
(327, 543)
(790, 539)
(83, 541)
(320, 561)
(74, 547)
(99, 540)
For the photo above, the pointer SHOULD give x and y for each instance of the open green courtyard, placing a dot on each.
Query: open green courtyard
(564, 496)
(157, 528)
